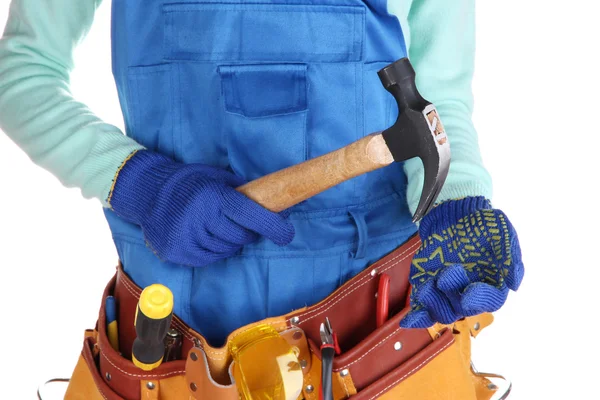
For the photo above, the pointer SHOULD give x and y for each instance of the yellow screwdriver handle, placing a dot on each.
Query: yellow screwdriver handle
(152, 322)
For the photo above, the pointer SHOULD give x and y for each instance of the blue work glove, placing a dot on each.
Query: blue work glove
(191, 214)
(469, 259)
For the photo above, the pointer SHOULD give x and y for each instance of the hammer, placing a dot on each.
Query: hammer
(418, 132)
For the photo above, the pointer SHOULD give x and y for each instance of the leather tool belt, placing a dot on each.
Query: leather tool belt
(384, 362)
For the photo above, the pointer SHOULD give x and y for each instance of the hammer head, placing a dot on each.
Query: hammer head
(418, 132)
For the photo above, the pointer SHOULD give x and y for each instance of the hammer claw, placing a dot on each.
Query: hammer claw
(427, 201)
(436, 168)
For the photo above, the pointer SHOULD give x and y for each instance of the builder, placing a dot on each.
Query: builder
(216, 94)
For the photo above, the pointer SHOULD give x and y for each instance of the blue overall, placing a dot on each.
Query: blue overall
(257, 86)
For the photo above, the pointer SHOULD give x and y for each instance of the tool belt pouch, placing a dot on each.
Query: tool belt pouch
(375, 362)
(106, 374)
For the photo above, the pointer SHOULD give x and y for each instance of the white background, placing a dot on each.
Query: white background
(536, 89)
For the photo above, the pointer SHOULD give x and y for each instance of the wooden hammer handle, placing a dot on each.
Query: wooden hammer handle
(288, 187)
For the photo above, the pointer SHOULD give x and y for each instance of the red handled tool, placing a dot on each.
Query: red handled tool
(383, 299)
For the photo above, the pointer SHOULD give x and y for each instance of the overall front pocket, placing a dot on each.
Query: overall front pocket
(150, 107)
(267, 107)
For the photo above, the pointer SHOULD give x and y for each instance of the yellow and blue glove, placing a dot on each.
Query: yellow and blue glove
(468, 261)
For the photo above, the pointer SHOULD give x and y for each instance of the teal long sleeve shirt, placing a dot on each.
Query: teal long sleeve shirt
(60, 134)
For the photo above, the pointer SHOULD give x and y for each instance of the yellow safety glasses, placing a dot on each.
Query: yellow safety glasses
(266, 366)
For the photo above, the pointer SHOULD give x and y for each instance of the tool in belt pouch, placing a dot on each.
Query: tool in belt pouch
(377, 359)
(375, 362)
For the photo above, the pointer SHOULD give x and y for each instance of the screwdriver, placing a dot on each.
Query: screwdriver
(152, 322)
(112, 329)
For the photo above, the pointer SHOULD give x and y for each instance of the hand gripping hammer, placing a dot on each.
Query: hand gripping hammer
(418, 132)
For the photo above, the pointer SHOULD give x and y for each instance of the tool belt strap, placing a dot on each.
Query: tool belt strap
(374, 361)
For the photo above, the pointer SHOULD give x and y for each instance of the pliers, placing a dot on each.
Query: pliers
(328, 350)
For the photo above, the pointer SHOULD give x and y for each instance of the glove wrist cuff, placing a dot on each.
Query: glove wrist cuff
(449, 212)
(137, 182)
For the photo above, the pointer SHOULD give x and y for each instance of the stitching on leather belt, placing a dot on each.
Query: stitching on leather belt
(412, 370)
(146, 377)
(370, 350)
(368, 277)
(345, 386)
(336, 300)
(101, 393)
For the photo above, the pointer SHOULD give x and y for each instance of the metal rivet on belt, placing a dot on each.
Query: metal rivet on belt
(108, 377)
(295, 320)
(297, 335)
(150, 385)
(194, 356)
(193, 387)
(397, 346)
(374, 272)
(344, 372)
(476, 326)
(309, 388)
(303, 363)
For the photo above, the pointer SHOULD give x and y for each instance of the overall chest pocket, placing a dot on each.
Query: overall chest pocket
(267, 112)
(263, 69)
